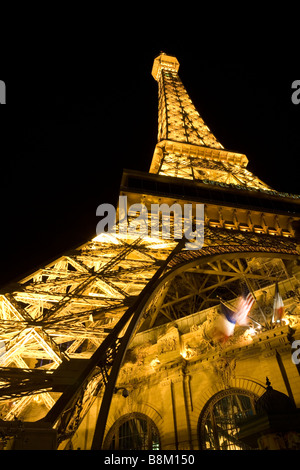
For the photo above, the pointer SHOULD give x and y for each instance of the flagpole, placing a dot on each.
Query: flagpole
(260, 309)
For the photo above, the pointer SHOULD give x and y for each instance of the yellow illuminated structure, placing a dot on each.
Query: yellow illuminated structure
(111, 346)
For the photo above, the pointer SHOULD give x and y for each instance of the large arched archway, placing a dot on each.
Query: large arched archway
(220, 419)
(133, 431)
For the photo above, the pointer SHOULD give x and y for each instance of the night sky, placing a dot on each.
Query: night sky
(79, 112)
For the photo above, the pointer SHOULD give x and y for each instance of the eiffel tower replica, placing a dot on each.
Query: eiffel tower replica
(67, 327)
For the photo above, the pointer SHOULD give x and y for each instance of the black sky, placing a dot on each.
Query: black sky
(77, 115)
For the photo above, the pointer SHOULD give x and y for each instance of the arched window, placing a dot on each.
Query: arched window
(134, 431)
(220, 419)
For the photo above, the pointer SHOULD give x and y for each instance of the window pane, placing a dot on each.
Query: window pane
(222, 424)
(135, 434)
(154, 439)
(228, 412)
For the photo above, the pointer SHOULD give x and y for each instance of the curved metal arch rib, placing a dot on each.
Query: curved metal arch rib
(178, 262)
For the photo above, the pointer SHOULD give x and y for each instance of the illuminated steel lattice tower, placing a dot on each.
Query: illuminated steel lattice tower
(203, 157)
(66, 327)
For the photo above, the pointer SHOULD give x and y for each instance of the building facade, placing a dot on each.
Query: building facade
(176, 379)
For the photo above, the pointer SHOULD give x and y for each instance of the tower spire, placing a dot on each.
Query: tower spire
(186, 147)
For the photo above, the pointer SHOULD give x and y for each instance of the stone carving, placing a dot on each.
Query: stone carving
(141, 352)
(169, 341)
(224, 368)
